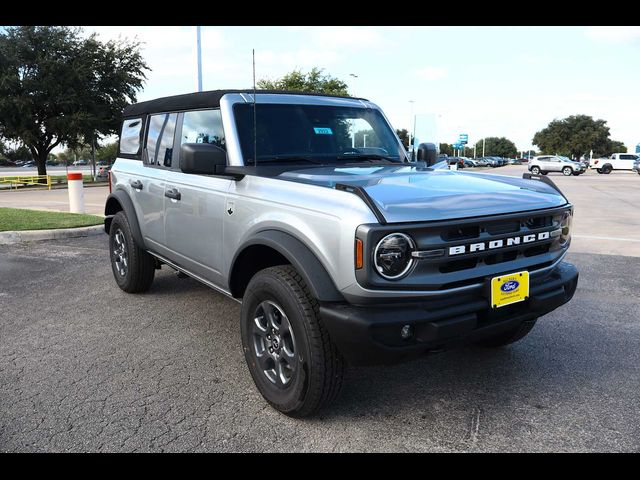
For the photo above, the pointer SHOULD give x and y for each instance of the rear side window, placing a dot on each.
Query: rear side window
(160, 138)
(130, 136)
(628, 157)
(203, 126)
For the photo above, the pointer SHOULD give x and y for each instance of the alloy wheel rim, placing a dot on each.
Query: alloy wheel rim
(120, 254)
(274, 344)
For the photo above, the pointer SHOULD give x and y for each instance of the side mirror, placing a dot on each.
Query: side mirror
(427, 153)
(202, 158)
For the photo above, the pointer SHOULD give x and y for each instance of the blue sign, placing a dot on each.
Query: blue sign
(638, 148)
(464, 138)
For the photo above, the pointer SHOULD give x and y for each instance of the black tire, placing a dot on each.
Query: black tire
(535, 170)
(510, 336)
(139, 270)
(599, 170)
(607, 169)
(316, 366)
(544, 173)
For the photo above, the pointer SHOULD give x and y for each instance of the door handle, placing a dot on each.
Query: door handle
(136, 184)
(173, 194)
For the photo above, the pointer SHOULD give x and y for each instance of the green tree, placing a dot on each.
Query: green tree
(107, 153)
(498, 147)
(574, 136)
(58, 87)
(615, 146)
(446, 149)
(404, 136)
(312, 82)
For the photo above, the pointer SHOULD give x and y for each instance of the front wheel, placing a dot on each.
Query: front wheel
(293, 362)
(599, 170)
(510, 336)
(567, 171)
(133, 268)
(535, 170)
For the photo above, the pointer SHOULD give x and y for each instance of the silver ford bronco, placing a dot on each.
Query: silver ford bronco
(341, 249)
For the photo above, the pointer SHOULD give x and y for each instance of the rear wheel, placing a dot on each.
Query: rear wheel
(607, 169)
(567, 171)
(535, 170)
(133, 268)
(292, 360)
(510, 336)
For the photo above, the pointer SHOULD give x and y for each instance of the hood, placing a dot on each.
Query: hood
(410, 194)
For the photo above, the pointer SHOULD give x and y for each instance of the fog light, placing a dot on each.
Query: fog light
(407, 332)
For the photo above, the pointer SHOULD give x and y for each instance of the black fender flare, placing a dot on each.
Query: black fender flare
(122, 198)
(302, 259)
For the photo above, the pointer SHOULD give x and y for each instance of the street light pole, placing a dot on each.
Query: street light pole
(199, 53)
(483, 146)
(354, 76)
(411, 131)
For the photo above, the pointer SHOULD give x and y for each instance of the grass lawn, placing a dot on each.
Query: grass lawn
(20, 219)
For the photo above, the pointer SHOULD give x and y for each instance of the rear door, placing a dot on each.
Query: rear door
(626, 162)
(194, 205)
(148, 182)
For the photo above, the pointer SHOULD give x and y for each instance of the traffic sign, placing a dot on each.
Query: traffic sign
(464, 138)
(638, 148)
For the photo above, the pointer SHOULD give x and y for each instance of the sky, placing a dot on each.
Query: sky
(482, 81)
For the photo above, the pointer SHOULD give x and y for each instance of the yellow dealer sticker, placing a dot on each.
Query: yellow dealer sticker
(508, 289)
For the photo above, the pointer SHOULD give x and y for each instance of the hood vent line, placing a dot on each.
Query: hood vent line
(362, 193)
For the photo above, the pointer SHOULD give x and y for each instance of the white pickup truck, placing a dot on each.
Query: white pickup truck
(617, 161)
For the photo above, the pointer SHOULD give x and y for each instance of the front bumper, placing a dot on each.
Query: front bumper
(368, 335)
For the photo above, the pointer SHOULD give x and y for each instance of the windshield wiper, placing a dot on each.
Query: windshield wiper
(287, 158)
(372, 157)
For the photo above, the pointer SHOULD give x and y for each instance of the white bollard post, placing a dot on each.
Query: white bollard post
(76, 192)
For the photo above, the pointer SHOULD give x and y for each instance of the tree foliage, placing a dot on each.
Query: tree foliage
(107, 153)
(615, 146)
(58, 87)
(403, 134)
(574, 136)
(498, 147)
(315, 81)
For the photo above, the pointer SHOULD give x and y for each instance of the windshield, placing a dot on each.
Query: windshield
(565, 159)
(316, 134)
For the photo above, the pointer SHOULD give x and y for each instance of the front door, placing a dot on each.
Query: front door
(194, 205)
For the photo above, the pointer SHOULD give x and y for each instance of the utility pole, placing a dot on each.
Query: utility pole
(483, 146)
(411, 123)
(199, 53)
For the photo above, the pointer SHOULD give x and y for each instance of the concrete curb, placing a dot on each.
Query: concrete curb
(8, 238)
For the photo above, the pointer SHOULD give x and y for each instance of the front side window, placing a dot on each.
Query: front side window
(130, 136)
(316, 133)
(203, 126)
(160, 139)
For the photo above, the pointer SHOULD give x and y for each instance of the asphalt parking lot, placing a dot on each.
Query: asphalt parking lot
(87, 367)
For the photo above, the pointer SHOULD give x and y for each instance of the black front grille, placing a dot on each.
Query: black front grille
(456, 268)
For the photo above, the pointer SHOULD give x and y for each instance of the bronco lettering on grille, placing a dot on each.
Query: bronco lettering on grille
(501, 243)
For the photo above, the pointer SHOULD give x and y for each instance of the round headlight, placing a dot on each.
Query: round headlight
(565, 225)
(392, 256)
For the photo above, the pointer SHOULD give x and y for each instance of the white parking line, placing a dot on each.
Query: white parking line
(607, 238)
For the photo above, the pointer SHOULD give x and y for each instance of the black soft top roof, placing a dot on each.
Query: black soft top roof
(209, 99)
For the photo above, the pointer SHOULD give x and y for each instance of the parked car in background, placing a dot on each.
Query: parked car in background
(80, 162)
(456, 161)
(514, 161)
(468, 163)
(617, 161)
(480, 162)
(555, 163)
(103, 172)
(636, 166)
(30, 164)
